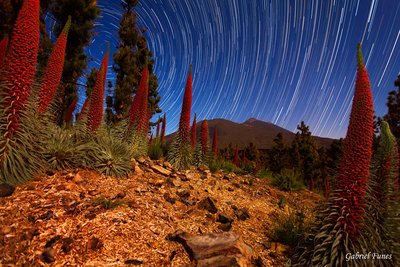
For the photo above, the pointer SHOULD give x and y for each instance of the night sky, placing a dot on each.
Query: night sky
(275, 60)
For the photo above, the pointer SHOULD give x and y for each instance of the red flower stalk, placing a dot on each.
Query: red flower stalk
(214, 143)
(54, 69)
(236, 159)
(20, 64)
(96, 107)
(193, 133)
(138, 111)
(84, 109)
(70, 111)
(184, 122)
(151, 139)
(311, 186)
(354, 169)
(3, 50)
(164, 123)
(204, 137)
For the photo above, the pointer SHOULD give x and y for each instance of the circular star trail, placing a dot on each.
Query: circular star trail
(275, 60)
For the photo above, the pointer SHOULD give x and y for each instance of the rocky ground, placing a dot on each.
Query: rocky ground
(81, 218)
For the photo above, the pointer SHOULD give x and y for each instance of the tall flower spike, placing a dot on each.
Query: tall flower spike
(184, 122)
(193, 133)
(54, 69)
(158, 129)
(236, 159)
(164, 122)
(96, 107)
(3, 50)
(138, 110)
(354, 169)
(204, 137)
(215, 144)
(70, 111)
(20, 64)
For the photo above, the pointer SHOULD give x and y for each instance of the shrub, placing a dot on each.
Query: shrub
(155, 150)
(288, 180)
(108, 203)
(264, 173)
(224, 165)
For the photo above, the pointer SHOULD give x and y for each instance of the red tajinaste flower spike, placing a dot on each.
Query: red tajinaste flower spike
(326, 187)
(96, 107)
(236, 159)
(70, 111)
(3, 50)
(84, 109)
(311, 187)
(214, 144)
(354, 169)
(138, 110)
(54, 69)
(193, 133)
(164, 123)
(204, 137)
(20, 64)
(184, 122)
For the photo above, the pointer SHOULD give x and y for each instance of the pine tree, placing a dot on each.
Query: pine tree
(129, 60)
(236, 158)
(393, 114)
(164, 125)
(214, 147)
(278, 155)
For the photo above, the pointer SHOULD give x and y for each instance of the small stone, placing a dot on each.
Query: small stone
(138, 171)
(208, 204)
(120, 195)
(169, 199)
(69, 176)
(5, 229)
(161, 170)
(226, 227)
(66, 246)
(133, 163)
(94, 243)
(183, 193)
(242, 214)
(52, 241)
(90, 216)
(77, 179)
(48, 255)
(222, 218)
(6, 190)
(141, 160)
(167, 165)
(47, 216)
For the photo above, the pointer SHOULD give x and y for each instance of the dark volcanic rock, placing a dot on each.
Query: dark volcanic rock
(48, 255)
(133, 262)
(6, 190)
(208, 204)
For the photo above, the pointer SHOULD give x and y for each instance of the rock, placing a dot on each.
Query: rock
(50, 173)
(90, 215)
(158, 182)
(77, 179)
(120, 195)
(278, 248)
(138, 171)
(133, 163)
(208, 204)
(161, 170)
(133, 262)
(6, 190)
(5, 229)
(183, 193)
(229, 176)
(217, 249)
(48, 255)
(141, 160)
(167, 165)
(94, 243)
(52, 241)
(226, 227)
(189, 176)
(169, 199)
(242, 214)
(224, 218)
(66, 246)
(47, 216)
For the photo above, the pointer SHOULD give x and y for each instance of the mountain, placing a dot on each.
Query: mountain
(258, 132)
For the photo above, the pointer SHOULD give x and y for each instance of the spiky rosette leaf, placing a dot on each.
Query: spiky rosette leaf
(193, 133)
(204, 137)
(3, 50)
(180, 154)
(198, 157)
(184, 122)
(19, 67)
(54, 69)
(96, 107)
(110, 156)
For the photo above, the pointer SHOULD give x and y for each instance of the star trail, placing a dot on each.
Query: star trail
(275, 60)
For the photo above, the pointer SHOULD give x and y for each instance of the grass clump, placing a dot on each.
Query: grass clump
(108, 204)
(226, 166)
(287, 180)
(155, 151)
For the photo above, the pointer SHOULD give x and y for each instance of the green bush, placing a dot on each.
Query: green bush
(264, 173)
(289, 229)
(155, 151)
(108, 203)
(224, 165)
(287, 180)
